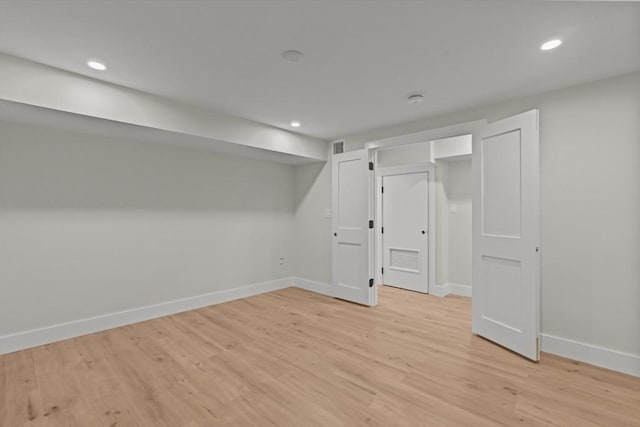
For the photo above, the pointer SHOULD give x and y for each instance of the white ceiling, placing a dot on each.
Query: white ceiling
(362, 59)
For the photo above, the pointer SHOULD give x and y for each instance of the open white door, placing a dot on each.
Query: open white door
(352, 257)
(506, 234)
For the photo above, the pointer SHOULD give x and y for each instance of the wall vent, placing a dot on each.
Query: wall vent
(338, 147)
(405, 260)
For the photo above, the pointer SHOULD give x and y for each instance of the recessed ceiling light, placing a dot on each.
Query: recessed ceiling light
(551, 44)
(97, 65)
(295, 124)
(292, 56)
(415, 99)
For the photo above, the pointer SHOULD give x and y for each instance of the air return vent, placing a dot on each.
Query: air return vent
(406, 260)
(338, 147)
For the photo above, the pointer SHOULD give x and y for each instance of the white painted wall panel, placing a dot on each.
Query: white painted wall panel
(92, 225)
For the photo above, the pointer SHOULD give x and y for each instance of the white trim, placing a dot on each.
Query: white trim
(439, 290)
(63, 331)
(600, 356)
(451, 289)
(430, 169)
(405, 169)
(462, 290)
(313, 286)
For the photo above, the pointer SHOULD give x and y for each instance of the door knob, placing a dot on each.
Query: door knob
(335, 234)
(423, 231)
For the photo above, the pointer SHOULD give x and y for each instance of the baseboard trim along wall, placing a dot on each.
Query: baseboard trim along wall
(450, 289)
(587, 353)
(49, 334)
(592, 354)
(313, 286)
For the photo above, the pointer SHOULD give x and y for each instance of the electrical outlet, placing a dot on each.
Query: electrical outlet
(281, 261)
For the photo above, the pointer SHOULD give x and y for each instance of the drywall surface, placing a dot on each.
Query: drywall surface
(92, 225)
(455, 146)
(442, 225)
(312, 227)
(419, 152)
(589, 206)
(457, 209)
(30, 83)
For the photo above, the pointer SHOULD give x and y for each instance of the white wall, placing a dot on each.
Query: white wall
(419, 152)
(312, 230)
(442, 225)
(92, 225)
(457, 182)
(590, 206)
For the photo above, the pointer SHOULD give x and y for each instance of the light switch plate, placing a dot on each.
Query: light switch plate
(453, 208)
(327, 213)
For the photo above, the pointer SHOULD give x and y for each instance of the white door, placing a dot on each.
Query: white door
(405, 225)
(505, 234)
(352, 258)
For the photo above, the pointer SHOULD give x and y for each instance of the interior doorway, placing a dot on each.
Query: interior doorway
(505, 223)
(423, 210)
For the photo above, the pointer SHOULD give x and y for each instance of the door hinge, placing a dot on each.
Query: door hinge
(382, 188)
(371, 283)
(382, 230)
(370, 223)
(370, 166)
(382, 270)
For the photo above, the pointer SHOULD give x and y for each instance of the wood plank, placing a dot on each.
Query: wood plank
(291, 358)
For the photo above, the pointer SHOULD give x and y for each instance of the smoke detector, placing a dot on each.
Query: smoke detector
(292, 56)
(415, 99)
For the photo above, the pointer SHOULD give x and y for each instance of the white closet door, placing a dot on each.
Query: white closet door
(406, 226)
(506, 234)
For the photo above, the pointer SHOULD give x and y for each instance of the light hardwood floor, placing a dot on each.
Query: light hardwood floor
(294, 358)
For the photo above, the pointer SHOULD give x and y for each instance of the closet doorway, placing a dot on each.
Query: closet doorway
(404, 225)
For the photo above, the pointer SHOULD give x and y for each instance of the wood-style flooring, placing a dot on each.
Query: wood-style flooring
(294, 358)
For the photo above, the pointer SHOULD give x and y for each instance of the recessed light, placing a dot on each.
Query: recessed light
(551, 44)
(415, 99)
(97, 65)
(295, 124)
(292, 55)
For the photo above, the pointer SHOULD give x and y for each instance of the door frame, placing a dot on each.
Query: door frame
(473, 128)
(430, 169)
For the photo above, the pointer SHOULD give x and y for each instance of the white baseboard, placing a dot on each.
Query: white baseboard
(599, 356)
(439, 290)
(450, 289)
(594, 355)
(36, 337)
(462, 290)
(313, 286)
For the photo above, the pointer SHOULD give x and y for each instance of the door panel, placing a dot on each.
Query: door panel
(351, 212)
(506, 234)
(501, 184)
(406, 224)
